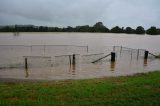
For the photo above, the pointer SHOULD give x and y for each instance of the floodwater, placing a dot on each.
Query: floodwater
(50, 55)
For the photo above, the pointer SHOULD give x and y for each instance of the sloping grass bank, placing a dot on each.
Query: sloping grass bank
(137, 90)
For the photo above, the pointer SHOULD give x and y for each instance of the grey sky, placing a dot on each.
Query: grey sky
(80, 12)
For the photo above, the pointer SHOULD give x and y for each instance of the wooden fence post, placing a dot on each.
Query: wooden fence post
(113, 55)
(137, 54)
(26, 64)
(70, 60)
(121, 50)
(146, 55)
(131, 54)
(87, 48)
(74, 59)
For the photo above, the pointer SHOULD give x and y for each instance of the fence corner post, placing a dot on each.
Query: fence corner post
(26, 64)
(74, 59)
(146, 54)
(113, 55)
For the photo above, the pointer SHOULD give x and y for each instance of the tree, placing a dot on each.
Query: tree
(129, 30)
(117, 29)
(152, 31)
(99, 27)
(140, 30)
(158, 30)
(43, 29)
(84, 28)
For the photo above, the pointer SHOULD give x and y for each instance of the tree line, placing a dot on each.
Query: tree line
(98, 27)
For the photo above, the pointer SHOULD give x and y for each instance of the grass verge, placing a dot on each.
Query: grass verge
(137, 90)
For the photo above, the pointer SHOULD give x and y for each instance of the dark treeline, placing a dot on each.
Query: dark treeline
(98, 27)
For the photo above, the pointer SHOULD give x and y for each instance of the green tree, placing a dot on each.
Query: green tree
(84, 28)
(129, 30)
(152, 31)
(117, 29)
(99, 27)
(140, 30)
(158, 30)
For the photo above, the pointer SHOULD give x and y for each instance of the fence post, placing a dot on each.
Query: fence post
(113, 55)
(70, 60)
(44, 49)
(131, 54)
(87, 48)
(146, 55)
(120, 50)
(31, 50)
(26, 64)
(74, 59)
(137, 54)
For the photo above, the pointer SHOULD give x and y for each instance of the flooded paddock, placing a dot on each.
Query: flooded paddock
(52, 56)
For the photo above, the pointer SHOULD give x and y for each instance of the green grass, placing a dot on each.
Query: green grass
(137, 90)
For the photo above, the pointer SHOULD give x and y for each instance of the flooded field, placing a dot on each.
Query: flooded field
(50, 56)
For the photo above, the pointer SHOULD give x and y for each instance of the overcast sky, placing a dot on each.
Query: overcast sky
(64, 13)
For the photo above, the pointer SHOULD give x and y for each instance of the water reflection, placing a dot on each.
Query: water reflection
(27, 73)
(16, 34)
(145, 62)
(72, 69)
(112, 66)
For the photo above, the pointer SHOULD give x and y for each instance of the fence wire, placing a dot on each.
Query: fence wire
(12, 56)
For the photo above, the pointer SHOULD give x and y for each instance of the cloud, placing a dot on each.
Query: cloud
(80, 12)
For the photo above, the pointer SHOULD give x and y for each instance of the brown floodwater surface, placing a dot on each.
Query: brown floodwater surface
(50, 55)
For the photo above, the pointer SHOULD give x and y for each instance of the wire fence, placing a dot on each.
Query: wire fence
(41, 56)
(12, 56)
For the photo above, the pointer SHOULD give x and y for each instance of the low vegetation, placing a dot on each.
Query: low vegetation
(137, 90)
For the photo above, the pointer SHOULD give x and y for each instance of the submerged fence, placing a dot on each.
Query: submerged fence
(41, 56)
(12, 56)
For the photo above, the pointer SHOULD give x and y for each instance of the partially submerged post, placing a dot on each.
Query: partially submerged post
(120, 50)
(131, 54)
(26, 64)
(44, 49)
(137, 54)
(146, 55)
(73, 64)
(113, 55)
(74, 59)
(70, 60)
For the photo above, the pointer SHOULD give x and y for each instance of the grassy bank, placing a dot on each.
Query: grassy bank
(138, 90)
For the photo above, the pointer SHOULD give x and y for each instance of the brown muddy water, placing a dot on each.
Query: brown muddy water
(50, 55)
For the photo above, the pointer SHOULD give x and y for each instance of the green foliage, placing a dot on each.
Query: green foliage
(98, 27)
(117, 29)
(140, 30)
(138, 90)
(85, 28)
(129, 30)
(152, 31)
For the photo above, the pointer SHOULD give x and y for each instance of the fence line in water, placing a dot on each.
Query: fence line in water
(88, 58)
